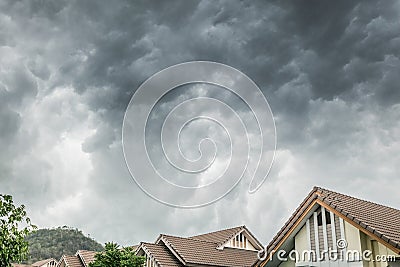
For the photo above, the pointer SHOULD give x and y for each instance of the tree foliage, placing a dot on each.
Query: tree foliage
(53, 243)
(14, 227)
(116, 256)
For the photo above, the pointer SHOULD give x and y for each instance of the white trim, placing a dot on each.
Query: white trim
(316, 237)
(324, 230)
(342, 235)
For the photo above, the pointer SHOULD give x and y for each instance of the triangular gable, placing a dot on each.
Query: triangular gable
(226, 238)
(220, 237)
(244, 239)
(336, 203)
(46, 262)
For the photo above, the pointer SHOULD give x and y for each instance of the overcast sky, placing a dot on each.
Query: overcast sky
(329, 69)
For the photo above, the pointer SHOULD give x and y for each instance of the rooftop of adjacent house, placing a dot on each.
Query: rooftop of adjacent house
(221, 236)
(160, 254)
(36, 264)
(71, 261)
(212, 248)
(42, 262)
(196, 251)
(86, 256)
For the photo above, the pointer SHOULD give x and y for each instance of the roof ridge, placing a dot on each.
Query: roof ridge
(228, 228)
(149, 243)
(190, 238)
(86, 250)
(220, 242)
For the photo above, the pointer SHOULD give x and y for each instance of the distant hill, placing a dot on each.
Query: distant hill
(53, 243)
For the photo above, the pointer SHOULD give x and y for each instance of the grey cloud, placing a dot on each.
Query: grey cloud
(68, 70)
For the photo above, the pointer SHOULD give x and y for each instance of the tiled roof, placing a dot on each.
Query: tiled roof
(42, 262)
(378, 220)
(86, 256)
(220, 237)
(36, 264)
(161, 254)
(196, 251)
(72, 261)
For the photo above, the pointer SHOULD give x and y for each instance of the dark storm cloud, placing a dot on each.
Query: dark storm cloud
(68, 69)
(341, 33)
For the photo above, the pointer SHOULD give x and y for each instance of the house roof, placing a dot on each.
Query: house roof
(195, 251)
(71, 261)
(379, 221)
(36, 264)
(42, 262)
(86, 256)
(220, 237)
(161, 255)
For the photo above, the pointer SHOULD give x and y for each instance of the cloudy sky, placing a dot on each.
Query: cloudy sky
(329, 69)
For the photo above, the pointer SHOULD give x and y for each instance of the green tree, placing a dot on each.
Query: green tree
(14, 227)
(115, 256)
